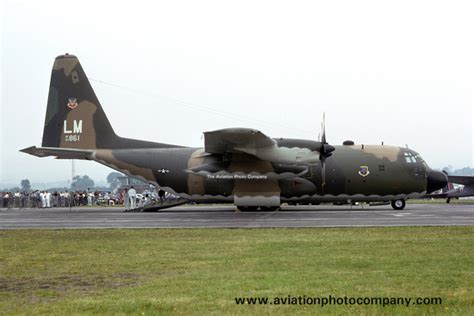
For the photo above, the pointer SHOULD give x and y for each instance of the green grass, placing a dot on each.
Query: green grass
(201, 271)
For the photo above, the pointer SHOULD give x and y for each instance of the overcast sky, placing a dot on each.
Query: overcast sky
(401, 72)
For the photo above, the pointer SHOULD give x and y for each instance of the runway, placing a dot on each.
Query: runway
(227, 217)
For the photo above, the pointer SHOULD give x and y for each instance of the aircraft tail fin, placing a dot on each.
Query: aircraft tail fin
(75, 123)
(74, 116)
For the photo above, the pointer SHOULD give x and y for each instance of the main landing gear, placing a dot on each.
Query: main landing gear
(398, 204)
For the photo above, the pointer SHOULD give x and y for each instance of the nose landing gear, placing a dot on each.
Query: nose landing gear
(398, 204)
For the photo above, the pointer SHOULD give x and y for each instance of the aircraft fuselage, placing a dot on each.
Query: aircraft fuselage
(353, 172)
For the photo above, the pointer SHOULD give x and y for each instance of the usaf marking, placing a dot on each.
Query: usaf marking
(72, 103)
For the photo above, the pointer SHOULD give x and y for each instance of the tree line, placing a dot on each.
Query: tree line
(79, 183)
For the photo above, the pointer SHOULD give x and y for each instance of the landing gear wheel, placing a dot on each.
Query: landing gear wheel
(269, 208)
(398, 204)
(448, 200)
(247, 208)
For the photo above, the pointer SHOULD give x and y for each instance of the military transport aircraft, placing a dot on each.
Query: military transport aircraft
(237, 165)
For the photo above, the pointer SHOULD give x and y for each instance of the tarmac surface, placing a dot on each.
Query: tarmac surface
(226, 216)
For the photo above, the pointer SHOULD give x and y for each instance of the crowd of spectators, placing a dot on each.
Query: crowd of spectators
(129, 198)
(45, 199)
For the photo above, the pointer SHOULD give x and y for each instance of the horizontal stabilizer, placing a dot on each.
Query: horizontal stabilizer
(59, 153)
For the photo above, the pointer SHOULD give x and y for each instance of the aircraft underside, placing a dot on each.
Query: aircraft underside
(304, 200)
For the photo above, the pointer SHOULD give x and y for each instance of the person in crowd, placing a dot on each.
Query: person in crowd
(89, 197)
(126, 200)
(43, 199)
(77, 198)
(16, 199)
(95, 197)
(61, 202)
(161, 195)
(133, 198)
(54, 199)
(37, 199)
(47, 197)
(67, 199)
(24, 199)
(8, 201)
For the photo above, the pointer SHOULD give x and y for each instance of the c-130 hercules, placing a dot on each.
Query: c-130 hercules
(237, 165)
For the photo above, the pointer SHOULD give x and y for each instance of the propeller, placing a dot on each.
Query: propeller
(325, 150)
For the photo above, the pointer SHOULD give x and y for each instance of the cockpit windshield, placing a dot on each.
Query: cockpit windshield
(409, 157)
(413, 157)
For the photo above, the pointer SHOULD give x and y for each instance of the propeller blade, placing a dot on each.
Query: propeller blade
(323, 173)
(325, 150)
(323, 129)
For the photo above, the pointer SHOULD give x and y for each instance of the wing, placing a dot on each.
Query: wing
(464, 180)
(254, 142)
(229, 139)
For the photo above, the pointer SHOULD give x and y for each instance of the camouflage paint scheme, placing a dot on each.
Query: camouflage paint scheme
(237, 165)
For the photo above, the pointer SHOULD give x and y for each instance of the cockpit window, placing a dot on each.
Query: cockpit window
(412, 158)
(418, 158)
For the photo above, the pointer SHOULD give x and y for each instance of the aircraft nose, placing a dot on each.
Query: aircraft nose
(436, 180)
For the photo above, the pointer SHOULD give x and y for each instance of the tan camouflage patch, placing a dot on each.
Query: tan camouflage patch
(106, 157)
(83, 116)
(381, 152)
(196, 183)
(254, 187)
(66, 63)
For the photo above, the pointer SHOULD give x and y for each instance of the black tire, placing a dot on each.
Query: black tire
(398, 204)
(448, 200)
(247, 208)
